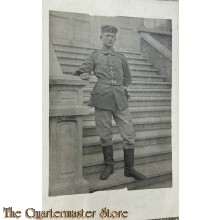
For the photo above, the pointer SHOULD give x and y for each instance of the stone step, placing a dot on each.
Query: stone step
(79, 58)
(86, 50)
(83, 48)
(67, 53)
(70, 69)
(144, 101)
(143, 138)
(162, 184)
(146, 77)
(143, 77)
(135, 71)
(140, 92)
(94, 140)
(140, 143)
(138, 112)
(93, 163)
(145, 71)
(156, 172)
(139, 63)
(150, 85)
(142, 85)
(78, 62)
(140, 124)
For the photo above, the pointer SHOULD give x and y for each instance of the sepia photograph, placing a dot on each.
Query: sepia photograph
(103, 110)
(110, 87)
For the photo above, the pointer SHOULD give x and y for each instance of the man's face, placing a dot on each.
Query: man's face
(108, 39)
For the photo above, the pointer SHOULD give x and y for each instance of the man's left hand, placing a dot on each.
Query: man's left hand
(126, 93)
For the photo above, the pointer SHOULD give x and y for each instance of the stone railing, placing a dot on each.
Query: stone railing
(156, 52)
(65, 131)
(65, 141)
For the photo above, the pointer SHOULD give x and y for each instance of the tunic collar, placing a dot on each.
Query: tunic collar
(105, 51)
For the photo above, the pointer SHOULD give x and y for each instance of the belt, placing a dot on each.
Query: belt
(110, 82)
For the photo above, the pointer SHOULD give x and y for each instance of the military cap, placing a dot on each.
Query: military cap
(109, 29)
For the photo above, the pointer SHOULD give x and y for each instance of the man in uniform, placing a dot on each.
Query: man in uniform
(110, 99)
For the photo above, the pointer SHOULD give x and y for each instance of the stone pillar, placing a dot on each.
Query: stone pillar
(65, 147)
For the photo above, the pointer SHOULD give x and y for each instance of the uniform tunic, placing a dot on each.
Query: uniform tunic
(111, 69)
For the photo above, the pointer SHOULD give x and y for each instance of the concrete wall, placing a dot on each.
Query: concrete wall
(158, 24)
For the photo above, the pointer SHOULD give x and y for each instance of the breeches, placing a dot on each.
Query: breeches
(103, 119)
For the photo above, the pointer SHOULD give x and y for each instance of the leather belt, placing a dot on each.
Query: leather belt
(110, 82)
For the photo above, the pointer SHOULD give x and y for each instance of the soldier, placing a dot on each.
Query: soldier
(110, 99)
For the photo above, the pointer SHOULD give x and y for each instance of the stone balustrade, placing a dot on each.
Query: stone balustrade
(65, 141)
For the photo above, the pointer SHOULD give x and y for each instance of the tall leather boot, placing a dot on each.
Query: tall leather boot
(109, 162)
(129, 170)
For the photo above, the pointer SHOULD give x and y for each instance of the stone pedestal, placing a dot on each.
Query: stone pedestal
(65, 150)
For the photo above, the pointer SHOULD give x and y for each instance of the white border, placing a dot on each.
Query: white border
(141, 204)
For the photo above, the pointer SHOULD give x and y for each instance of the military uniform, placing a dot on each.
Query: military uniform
(108, 95)
(109, 99)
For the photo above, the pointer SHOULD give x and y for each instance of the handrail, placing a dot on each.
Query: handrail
(157, 45)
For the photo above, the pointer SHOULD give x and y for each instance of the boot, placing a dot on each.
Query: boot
(108, 158)
(129, 171)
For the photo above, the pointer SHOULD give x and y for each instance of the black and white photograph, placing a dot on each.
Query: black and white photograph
(109, 109)
(110, 87)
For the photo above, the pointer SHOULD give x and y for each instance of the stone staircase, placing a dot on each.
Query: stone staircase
(150, 107)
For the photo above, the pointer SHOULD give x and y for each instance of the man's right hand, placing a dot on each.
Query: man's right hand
(84, 76)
